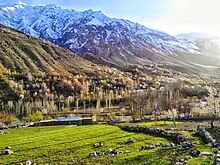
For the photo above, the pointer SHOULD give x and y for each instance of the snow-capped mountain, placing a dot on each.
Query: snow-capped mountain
(194, 35)
(91, 32)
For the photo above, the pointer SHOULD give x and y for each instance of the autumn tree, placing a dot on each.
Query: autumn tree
(139, 104)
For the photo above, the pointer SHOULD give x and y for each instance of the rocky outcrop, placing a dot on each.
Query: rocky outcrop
(130, 140)
(8, 152)
(110, 151)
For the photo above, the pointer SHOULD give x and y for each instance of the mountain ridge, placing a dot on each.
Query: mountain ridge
(208, 43)
(29, 23)
(116, 41)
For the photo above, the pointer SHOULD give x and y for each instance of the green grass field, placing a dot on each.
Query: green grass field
(71, 145)
(153, 123)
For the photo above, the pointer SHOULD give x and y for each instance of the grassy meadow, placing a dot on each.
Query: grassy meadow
(71, 145)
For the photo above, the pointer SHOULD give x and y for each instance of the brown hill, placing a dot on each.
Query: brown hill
(25, 54)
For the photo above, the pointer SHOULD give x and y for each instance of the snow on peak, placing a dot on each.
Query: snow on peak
(88, 11)
(95, 21)
(21, 3)
(96, 18)
(14, 7)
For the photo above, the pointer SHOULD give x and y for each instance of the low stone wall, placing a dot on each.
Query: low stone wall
(179, 139)
(176, 137)
(207, 136)
(211, 141)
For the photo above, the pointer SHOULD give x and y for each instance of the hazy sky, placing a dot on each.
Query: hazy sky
(171, 16)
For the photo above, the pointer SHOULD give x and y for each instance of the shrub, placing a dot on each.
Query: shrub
(7, 117)
(47, 117)
(37, 116)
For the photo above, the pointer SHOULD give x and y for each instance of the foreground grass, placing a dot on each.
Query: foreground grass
(69, 145)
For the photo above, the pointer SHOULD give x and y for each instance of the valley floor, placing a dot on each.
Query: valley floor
(72, 145)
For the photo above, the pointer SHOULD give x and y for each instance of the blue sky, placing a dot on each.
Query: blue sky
(171, 16)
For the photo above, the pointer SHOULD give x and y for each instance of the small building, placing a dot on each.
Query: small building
(65, 120)
(69, 118)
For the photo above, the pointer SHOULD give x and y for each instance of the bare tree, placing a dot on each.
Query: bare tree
(156, 100)
(134, 101)
(213, 103)
(138, 101)
(172, 99)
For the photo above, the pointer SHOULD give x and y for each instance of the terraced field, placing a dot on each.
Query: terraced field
(71, 145)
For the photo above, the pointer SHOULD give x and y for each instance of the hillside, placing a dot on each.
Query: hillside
(33, 67)
(22, 53)
(6, 93)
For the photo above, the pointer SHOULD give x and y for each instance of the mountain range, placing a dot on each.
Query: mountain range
(108, 41)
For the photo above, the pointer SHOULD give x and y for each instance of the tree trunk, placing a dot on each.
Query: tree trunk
(77, 104)
(132, 111)
(98, 104)
(155, 116)
(84, 106)
(174, 121)
(212, 122)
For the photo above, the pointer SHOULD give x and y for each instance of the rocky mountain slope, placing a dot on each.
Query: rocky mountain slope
(105, 40)
(207, 43)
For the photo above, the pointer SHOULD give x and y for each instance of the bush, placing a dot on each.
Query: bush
(37, 116)
(47, 117)
(7, 118)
